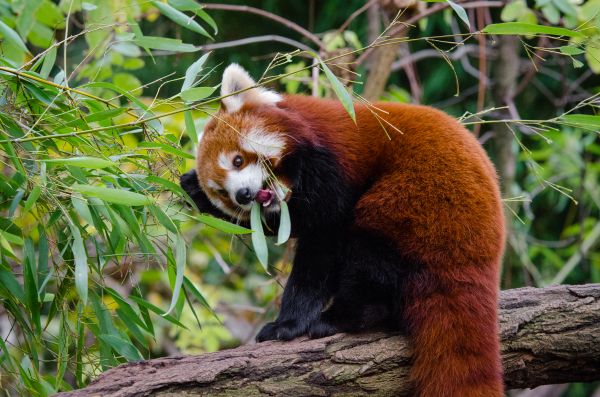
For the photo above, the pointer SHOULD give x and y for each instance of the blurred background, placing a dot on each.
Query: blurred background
(100, 99)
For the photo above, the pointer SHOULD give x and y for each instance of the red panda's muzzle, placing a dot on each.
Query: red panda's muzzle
(264, 197)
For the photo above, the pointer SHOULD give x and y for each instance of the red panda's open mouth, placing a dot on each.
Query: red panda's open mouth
(265, 197)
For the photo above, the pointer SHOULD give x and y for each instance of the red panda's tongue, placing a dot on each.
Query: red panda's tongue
(264, 196)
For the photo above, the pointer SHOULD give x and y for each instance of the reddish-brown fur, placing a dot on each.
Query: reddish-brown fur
(432, 190)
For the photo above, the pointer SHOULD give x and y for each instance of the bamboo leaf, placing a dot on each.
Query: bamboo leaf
(12, 37)
(123, 347)
(192, 72)
(163, 218)
(117, 196)
(83, 162)
(222, 225)
(197, 93)
(340, 91)
(180, 18)
(165, 44)
(32, 199)
(582, 120)
(180, 258)
(48, 64)
(191, 5)
(460, 11)
(527, 29)
(147, 305)
(259, 241)
(81, 264)
(190, 127)
(285, 225)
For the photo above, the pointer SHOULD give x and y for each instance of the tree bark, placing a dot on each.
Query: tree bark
(549, 335)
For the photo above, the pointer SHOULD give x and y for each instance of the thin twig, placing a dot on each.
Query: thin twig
(266, 14)
(241, 42)
(354, 15)
(424, 14)
(481, 22)
(61, 87)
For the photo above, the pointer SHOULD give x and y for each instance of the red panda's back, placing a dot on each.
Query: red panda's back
(427, 181)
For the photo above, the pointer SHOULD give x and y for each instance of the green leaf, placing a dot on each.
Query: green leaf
(163, 218)
(180, 259)
(164, 148)
(222, 225)
(48, 64)
(165, 44)
(15, 202)
(8, 281)
(192, 72)
(81, 264)
(462, 14)
(123, 347)
(30, 284)
(32, 199)
(105, 114)
(165, 183)
(513, 10)
(191, 5)
(189, 286)
(551, 14)
(566, 7)
(180, 18)
(259, 242)
(83, 162)
(197, 93)
(190, 126)
(525, 29)
(571, 50)
(128, 316)
(12, 37)
(117, 196)
(81, 208)
(592, 55)
(340, 91)
(582, 120)
(285, 225)
(145, 304)
(207, 18)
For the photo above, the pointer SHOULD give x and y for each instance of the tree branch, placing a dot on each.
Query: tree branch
(266, 14)
(549, 335)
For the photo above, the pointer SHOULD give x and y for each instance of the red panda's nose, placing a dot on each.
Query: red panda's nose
(243, 196)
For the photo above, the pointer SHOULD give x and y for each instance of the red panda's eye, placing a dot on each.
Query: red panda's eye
(238, 161)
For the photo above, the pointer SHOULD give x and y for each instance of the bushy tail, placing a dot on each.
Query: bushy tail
(452, 318)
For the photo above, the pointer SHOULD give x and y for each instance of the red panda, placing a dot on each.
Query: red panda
(397, 227)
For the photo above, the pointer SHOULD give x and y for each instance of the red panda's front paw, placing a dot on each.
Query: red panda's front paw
(281, 330)
(320, 329)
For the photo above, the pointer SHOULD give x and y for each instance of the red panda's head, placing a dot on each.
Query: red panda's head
(241, 147)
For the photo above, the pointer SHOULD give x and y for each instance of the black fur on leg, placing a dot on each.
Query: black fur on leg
(371, 276)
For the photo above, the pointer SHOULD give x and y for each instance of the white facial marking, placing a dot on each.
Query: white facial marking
(217, 202)
(263, 143)
(251, 177)
(235, 78)
(213, 185)
(225, 160)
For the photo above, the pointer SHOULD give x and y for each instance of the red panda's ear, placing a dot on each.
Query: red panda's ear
(235, 78)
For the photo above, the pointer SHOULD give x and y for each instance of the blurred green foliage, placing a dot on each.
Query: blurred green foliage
(101, 104)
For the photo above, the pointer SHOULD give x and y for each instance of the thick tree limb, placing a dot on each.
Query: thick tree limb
(549, 335)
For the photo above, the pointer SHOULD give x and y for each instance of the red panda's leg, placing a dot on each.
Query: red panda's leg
(369, 285)
(307, 291)
(452, 322)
